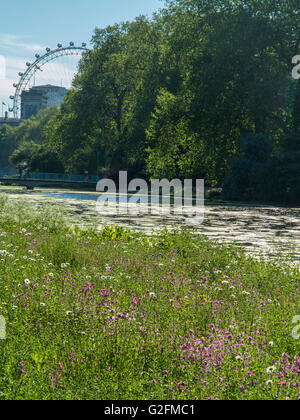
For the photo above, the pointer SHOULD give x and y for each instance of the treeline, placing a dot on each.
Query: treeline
(176, 96)
(27, 146)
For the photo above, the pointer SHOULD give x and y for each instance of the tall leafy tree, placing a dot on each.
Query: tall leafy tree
(110, 105)
(176, 95)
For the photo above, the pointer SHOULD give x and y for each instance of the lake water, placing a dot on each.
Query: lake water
(273, 231)
(79, 196)
(68, 195)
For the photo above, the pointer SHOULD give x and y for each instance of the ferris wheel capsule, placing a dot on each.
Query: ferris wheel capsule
(84, 44)
(48, 49)
(59, 45)
(12, 97)
(37, 55)
(15, 85)
(28, 64)
(71, 44)
(21, 74)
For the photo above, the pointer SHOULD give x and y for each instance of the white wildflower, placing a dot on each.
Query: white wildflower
(269, 382)
(271, 369)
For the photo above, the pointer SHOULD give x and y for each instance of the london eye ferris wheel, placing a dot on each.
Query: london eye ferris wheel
(56, 67)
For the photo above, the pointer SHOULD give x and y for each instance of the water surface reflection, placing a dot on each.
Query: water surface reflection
(273, 231)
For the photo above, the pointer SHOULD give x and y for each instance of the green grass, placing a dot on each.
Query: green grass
(117, 315)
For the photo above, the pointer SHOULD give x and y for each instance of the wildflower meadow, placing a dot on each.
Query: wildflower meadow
(118, 315)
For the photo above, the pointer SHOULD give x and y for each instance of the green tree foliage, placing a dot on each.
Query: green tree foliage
(285, 181)
(24, 153)
(175, 95)
(114, 93)
(264, 172)
(7, 146)
(37, 157)
(172, 143)
(234, 59)
(46, 160)
(250, 170)
(27, 141)
(33, 128)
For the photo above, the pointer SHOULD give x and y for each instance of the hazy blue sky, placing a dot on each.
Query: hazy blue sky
(29, 26)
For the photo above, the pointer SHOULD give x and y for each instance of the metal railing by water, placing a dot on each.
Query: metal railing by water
(39, 176)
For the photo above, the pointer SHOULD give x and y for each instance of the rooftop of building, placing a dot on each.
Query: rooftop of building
(49, 87)
(35, 92)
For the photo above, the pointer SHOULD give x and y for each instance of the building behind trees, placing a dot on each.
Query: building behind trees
(39, 97)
